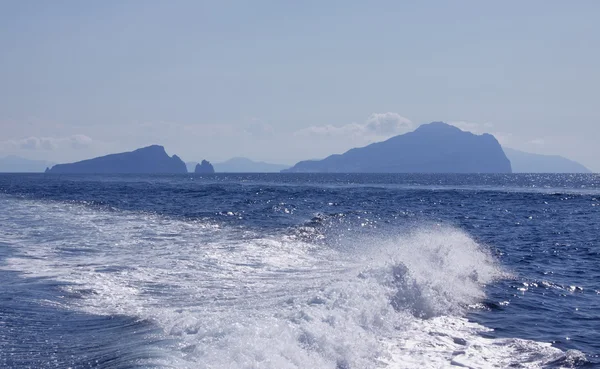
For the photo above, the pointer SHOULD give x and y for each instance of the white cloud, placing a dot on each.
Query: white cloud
(387, 124)
(377, 124)
(47, 143)
(474, 127)
(35, 143)
(79, 141)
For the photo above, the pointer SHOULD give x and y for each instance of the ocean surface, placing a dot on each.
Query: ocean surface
(299, 271)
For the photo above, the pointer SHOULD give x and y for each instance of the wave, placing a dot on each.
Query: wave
(226, 297)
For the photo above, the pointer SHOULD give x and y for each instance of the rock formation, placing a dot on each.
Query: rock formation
(205, 167)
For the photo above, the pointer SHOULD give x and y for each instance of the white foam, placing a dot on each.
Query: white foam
(232, 298)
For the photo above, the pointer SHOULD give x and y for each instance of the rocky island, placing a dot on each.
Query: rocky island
(432, 148)
(204, 168)
(151, 159)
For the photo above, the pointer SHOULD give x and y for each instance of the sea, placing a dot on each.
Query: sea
(340, 271)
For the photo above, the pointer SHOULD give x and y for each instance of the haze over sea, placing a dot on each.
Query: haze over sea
(299, 271)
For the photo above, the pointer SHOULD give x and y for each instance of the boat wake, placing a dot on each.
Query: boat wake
(227, 297)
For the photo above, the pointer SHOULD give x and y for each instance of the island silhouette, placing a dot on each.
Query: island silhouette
(432, 148)
(151, 159)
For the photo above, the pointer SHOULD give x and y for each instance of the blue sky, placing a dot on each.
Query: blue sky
(283, 81)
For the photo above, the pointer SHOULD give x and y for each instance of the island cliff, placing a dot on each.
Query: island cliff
(151, 159)
(205, 167)
(432, 148)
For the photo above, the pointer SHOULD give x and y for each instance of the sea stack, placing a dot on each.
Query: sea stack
(205, 167)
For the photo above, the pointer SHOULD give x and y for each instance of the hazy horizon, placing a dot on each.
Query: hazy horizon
(280, 83)
(532, 166)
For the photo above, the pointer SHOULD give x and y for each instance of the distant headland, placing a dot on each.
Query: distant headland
(151, 159)
(524, 162)
(432, 148)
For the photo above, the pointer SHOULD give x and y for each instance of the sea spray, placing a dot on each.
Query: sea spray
(225, 297)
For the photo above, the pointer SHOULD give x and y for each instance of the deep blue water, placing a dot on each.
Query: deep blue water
(299, 270)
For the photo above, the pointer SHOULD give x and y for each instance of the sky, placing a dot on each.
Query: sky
(283, 81)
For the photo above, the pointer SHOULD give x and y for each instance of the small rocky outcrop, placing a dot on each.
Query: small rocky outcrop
(205, 167)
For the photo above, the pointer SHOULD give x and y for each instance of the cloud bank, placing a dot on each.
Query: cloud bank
(377, 125)
(76, 142)
(474, 127)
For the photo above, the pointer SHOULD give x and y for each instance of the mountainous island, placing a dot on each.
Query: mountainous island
(432, 148)
(205, 167)
(524, 162)
(151, 159)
